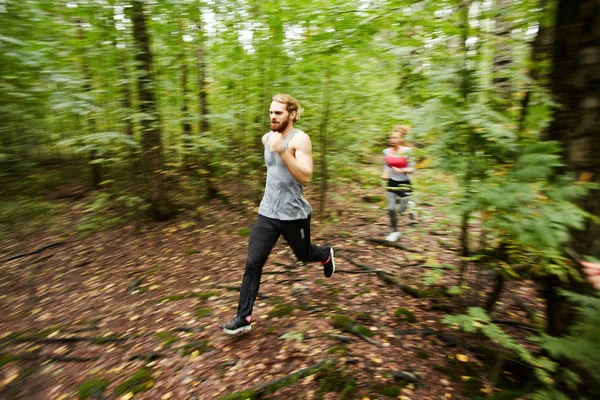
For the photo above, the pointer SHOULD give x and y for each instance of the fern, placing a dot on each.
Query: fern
(477, 319)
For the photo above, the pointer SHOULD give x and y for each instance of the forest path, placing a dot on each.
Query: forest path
(150, 300)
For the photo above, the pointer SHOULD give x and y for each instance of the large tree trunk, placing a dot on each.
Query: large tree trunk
(151, 134)
(575, 82)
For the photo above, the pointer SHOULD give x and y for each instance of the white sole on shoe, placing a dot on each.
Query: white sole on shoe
(238, 330)
(332, 262)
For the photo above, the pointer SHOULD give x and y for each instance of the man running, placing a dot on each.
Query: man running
(283, 209)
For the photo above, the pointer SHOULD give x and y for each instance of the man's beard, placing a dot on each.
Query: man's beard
(280, 127)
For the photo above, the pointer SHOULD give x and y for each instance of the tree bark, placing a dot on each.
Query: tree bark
(151, 134)
(96, 168)
(502, 53)
(211, 190)
(185, 124)
(324, 142)
(575, 83)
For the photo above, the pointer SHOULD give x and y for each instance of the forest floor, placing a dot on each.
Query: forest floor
(134, 311)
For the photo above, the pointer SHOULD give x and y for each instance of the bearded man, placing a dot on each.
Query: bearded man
(283, 209)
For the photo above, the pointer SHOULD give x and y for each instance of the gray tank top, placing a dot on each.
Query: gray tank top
(283, 198)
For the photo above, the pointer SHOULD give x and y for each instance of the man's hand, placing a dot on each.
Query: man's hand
(277, 142)
(592, 270)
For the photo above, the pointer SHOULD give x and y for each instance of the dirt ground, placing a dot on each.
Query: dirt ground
(146, 300)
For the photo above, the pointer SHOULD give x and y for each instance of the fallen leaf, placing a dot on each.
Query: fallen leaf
(462, 357)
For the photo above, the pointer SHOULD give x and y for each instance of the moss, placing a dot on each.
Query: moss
(281, 310)
(49, 330)
(93, 389)
(271, 329)
(404, 314)
(7, 358)
(12, 336)
(343, 323)
(201, 346)
(333, 379)
(423, 354)
(245, 395)
(364, 317)
(333, 290)
(363, 330)
(202, 312)
(244, 231)
(338, 350)
(387, 278)
(140, 382)
(167, 338)
(387, 390)
(105, 339)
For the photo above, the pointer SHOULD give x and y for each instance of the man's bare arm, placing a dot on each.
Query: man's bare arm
(298, 158)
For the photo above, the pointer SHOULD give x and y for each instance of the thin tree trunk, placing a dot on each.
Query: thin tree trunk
(151, 134)
(96, 168)
(540, 51)
(502, 54)
(465, 87)
(211, 190)
(185, 124)
(324, 142)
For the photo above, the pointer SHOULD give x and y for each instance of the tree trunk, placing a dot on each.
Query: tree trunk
(211, 190)
(574, 82)
(324, 142)
(540, 51)
(185, 124)
(502, 53)
(96, 168)
(151, 134)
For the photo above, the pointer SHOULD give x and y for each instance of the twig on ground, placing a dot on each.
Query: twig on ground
(43, 248)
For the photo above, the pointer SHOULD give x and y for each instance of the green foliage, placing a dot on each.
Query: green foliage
(297, 336)
(477, 320)
(107, 210)
(140, 382)
(581, 347)
(435, 272)
(26, 214)
(92, 389)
